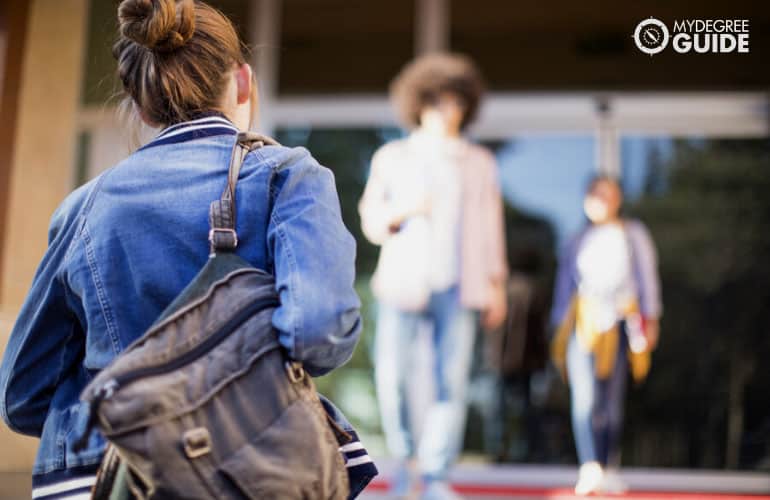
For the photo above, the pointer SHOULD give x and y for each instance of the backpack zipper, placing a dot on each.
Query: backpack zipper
(106, 390)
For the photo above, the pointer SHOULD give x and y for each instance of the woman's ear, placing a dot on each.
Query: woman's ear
(243, 78)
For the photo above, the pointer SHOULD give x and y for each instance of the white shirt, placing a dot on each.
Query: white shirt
(605, 272)
(441, 181)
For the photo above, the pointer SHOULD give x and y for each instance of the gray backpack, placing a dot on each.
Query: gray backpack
(206, 404)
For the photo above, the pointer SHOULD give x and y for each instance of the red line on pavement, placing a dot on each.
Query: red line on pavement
(514, 492)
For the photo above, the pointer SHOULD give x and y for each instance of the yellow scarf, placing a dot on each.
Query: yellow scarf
(581, 318)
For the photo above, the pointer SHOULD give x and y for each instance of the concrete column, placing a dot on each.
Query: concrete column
(42, 164)
(265, 34)
(13, 29)
(431, 26)
(607, 139)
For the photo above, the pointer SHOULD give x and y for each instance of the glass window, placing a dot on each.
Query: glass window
(705, 203)
(546, 176)
(542, 179)
(524, 416)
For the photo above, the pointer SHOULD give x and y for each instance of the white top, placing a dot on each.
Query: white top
(605, 272)
(442, 188)
(401, 277)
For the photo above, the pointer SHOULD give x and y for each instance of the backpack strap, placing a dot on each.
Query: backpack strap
(222, 223)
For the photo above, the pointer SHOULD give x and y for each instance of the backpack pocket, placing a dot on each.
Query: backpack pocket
(275, 464)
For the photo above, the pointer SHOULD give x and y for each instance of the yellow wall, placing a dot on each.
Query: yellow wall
(42, 167)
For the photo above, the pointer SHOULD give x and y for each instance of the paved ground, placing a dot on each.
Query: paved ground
(531, 482)
(514, 493)
(567, 496)
(544, 482)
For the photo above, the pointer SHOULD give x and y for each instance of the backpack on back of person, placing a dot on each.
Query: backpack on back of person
(206, 404)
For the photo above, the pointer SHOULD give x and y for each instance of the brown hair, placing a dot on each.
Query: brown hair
(595, 179)
(174, 57)
(423, 80)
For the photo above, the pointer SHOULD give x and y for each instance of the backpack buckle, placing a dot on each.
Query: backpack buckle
(217, 242)
(197, 442)
(295, 371)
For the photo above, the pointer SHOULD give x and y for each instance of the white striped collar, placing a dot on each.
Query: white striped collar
(206, 126)
(193, 124)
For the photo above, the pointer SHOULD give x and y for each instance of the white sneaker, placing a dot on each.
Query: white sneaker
(589, 479)
(613, 483)
(439, 490)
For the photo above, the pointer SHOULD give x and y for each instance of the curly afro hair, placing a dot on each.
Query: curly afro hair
(423, 80)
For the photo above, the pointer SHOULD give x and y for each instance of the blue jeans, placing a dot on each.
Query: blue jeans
(454, 330)
(597, 405)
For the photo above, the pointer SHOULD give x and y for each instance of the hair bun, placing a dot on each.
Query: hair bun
(159, 25)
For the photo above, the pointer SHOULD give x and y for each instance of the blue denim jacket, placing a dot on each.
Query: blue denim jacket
(122, 246)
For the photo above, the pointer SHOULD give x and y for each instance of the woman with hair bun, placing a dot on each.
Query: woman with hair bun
(125, 244)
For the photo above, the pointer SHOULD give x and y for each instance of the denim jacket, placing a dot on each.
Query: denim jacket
(122, 246)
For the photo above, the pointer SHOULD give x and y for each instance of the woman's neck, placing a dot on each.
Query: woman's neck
(438, 129)
(437, 134)
(610, 221)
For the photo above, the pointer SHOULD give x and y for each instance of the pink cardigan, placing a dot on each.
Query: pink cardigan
(482, 232)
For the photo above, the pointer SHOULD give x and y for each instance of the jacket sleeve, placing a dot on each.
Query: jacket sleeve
(565, 283)
(45, 342)
(314, 256)
(496, 244)
(374, 208)
(647, 277)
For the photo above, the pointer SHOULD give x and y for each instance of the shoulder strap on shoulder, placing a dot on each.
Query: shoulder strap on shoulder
(222, 234)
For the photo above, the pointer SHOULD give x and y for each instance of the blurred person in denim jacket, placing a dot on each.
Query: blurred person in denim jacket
(606, 309)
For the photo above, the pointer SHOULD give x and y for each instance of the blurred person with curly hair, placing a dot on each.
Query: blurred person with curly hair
(433, 203)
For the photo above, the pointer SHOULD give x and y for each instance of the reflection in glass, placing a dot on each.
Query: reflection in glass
(546, 175)
(705, 202)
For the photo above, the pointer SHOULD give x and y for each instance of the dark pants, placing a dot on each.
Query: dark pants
(597, 405)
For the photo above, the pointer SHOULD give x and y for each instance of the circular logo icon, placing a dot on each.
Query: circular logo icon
(651, 36)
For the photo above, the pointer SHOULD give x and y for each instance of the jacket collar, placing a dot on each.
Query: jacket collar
(204, 125)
